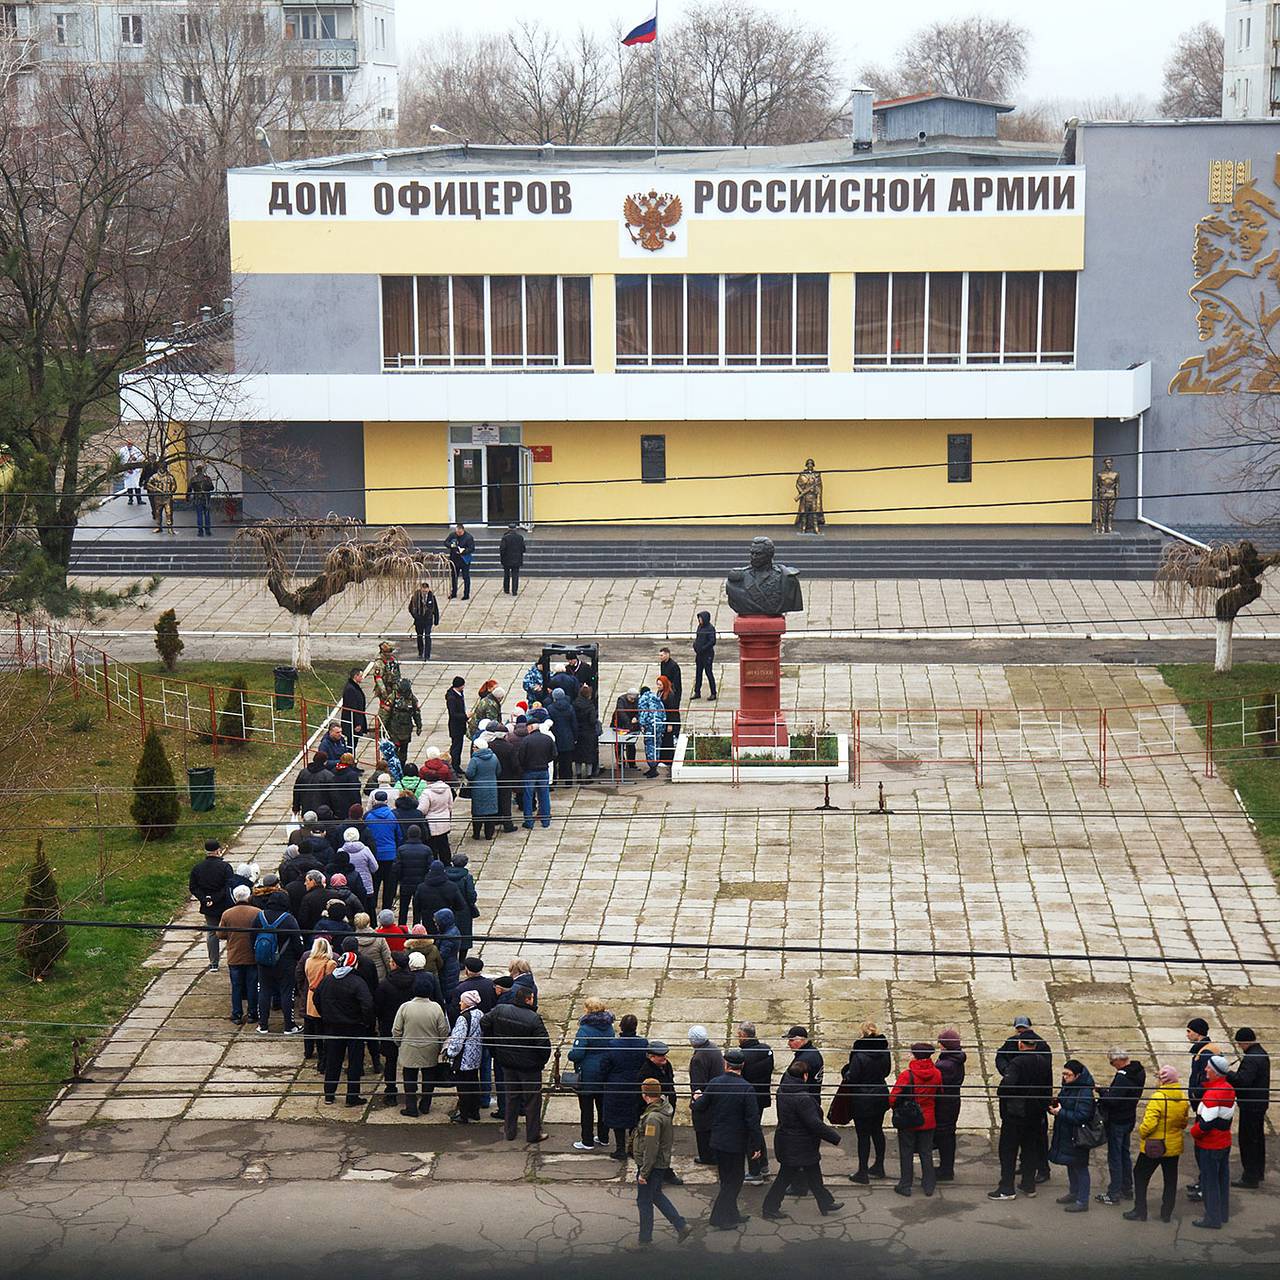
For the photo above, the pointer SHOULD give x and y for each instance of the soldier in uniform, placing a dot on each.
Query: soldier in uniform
(386, 677)
(1106, 491)
(810, 517)
(161, 487)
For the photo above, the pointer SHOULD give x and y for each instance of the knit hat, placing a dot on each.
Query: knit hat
(1168, 1075)
(384, 778)
(401, 959)
(417, 961)
(433, 753)
(1220, 1064)
(460, 859)
(270, 880)
(351, 834)
(1199, 1026)
(538, 717)
(338, 881)
(473, 964)
(1246, 1035)
(386, 917)
(419, 931)
(698, 1036)
(949, 1038)
(423, 987)
(735, 1058)
(381, 796)
(469, 999)
(922, 1049)
(498, 692)
(798, 1033)
(212, 846)
(246, 869)
(410, 771)
(311, 817)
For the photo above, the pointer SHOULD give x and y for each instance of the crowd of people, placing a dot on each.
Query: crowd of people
(415, 1001)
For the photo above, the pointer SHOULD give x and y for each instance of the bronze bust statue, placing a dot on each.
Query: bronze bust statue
(763, 589)
(810, 516)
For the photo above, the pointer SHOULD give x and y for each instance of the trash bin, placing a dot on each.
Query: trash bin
(200, 784)
(286, 683)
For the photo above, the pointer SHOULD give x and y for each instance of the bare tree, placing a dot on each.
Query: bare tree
(975, 57)
(273, 555)
(1193, 75)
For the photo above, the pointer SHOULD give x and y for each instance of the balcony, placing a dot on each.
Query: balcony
(322, 55)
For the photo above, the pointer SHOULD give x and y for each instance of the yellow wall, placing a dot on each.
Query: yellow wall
(415, 453)
(1004, 243)
(411, 454)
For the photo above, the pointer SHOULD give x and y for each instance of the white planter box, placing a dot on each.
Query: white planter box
(835, 772)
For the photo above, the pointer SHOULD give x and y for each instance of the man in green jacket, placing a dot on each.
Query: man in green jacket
(653, 1157)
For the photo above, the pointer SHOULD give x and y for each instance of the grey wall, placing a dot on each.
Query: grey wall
(938, 116)
(320, 457)
(1148, 186)
(307, 324)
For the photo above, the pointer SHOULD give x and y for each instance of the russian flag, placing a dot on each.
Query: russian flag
(645, 33)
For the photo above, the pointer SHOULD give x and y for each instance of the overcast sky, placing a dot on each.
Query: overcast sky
(1088, 48)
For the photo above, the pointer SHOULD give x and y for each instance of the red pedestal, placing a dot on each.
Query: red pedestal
(760, 722)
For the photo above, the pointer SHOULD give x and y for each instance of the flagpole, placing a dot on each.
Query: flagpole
(657, 77)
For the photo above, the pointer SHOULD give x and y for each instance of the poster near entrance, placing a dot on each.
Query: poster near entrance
(490, 478)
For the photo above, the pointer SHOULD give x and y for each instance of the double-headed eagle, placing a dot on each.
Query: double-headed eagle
(650, 217)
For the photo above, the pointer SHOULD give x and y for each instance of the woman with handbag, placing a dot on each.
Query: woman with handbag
(594, 1039)
(464, 1049)
(863, 1097)
(913, 1101)
(1160, 1146)
(1076, 1131)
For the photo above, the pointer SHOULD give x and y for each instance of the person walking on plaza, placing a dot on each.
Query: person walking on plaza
(1118, 1103)
(345, 1005)
(730, 1103)
(1160, 1139)
(797, 1144)
(521, 1047)
(1252, 1082)
(354, 721)
(1006, 1055)
(757, 1071)
(200, 496)
(403, 719)
(210, 885)
(511, 557)
(386, 679)
(946, 1111)
(863, 1097)
(424, 609)
(536, 753)
(1023, 1095)
(242, 968)
(460, 547)
(912, 1100)
(1074, 1106)
(161, 488)
(704, 657)
(455, 704)
(706, 1064)
(419, 1032)
(1211, 1132)
(653, 1143)
(593, 1040)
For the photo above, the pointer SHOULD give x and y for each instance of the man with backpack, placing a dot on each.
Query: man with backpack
(277, 947)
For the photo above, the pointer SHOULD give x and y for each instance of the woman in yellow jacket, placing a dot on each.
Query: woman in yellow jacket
(1160, 1136)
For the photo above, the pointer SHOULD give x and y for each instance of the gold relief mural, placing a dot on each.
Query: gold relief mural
(1236, 263)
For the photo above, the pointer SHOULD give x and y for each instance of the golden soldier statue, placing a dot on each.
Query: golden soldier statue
(810, 517)
(1106, 491)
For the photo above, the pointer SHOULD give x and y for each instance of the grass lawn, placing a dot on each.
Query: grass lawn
(1243, 764)
(73, 750)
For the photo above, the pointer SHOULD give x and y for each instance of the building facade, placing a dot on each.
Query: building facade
(335, 64)
(1251, 60)
(547, 335)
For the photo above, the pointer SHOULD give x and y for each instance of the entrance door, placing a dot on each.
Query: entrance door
(526, 487)
(502, 473)
(467, 496)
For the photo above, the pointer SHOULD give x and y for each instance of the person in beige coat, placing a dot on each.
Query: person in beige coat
(372, 946)
(419, 1032)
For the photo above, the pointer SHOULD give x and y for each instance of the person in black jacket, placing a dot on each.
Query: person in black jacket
(730, 1102)
(1252, 1082)
(415, 860)
(521, 1047)
(407, 813)
(707, 1064)
(797, 1144)
(345, 1005)
(511, 557)
(1202, 1049)
(345, 789)
(393, 991)
(1118, 1104)
(354, 721)
(1005, 1055)
(704, 656)
(275, 981)
(946, 1107)
(537, 751)
(506, 748)
(313, 902)
(210, 885)
(436, 893)
(757, 1071)
(862, 1082)
(1024, 1095)
(460, 547)
(455, 702)
(311, 788)
(586, 751)
(424, 609)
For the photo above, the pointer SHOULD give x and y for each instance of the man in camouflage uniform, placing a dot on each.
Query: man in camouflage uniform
(161, 487)
(386, 677)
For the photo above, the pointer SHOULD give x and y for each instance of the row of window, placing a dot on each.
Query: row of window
(766, 320)
(486, 321)
(319, 86)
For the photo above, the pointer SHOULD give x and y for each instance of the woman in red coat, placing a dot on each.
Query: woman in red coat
(921, 1082)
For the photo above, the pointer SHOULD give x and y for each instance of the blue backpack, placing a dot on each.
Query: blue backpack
(266, 946)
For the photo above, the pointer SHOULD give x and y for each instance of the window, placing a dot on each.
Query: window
(311, 24)
(486, 322)
(256, 28)
(256, 89)
(322, 87)
(959, 459)
(380, 32)
(189, 28)
(66, 30)
(914, 319)
(724, 321)
(653, 459)
(15, 21)
(131, 29)
(192, 91)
